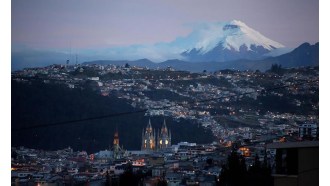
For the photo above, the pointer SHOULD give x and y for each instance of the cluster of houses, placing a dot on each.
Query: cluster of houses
(181, 164)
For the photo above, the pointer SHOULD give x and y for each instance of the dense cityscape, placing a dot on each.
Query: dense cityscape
(163, 93)
(251, 113)
(194, 96)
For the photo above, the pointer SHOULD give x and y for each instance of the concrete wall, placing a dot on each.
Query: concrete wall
(308, 166)
(285, 180)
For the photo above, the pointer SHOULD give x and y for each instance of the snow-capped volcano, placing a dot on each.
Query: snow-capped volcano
(208, 41)
(227, 41)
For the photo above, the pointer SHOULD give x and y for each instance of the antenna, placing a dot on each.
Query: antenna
(68, 60)
(76, 59)
(70, 56)
(70, 52)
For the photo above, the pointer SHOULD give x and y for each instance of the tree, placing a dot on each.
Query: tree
(259, 175)
(234, 173)
(257, 162)
(209, 161)
(277, 69)
(130, 178)
(107, 179)
(162, 182)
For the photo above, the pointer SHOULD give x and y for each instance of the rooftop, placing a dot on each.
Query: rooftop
(302, 144)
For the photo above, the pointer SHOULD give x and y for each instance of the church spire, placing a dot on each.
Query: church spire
(149, 127)
(117, 151)
(158, 134)
(164, 139)
(116, 138)
(164, 124)
(164, 130)
(148, 138)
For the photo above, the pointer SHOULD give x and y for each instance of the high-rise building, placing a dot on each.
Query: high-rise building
(164, 138)
(148, 138)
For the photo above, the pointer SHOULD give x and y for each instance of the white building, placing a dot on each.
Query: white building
(308, 130)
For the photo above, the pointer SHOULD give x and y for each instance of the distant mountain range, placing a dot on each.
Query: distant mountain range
(304, 55)
(210, 46)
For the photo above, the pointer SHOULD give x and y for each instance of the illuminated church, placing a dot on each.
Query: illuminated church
(149, 141)
(148, 138)
(118, 152)
(164, 138)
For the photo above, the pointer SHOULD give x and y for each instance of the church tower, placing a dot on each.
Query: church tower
(148, 138)
(117, 151)
(164, 138)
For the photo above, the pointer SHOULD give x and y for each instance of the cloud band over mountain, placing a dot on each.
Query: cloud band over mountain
(211, 41)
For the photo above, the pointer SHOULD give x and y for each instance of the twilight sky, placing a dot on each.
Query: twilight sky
(106, 23)
(48, 32)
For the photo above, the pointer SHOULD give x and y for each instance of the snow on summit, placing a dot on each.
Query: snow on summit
(231, 35)
(208, 41)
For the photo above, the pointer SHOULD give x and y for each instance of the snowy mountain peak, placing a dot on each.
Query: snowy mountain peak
(231, 35)
(237, 23)
(207, 41)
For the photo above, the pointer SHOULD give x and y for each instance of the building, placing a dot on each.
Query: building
(117, 151)
(164, 138)
(103, 156)
(149, 141)
(156, 161)
(148, 138)
(296, 163)
(308, 131)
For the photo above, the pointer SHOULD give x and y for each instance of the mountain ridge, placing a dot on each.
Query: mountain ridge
(229, 41)
(304, 55)
(208, 41)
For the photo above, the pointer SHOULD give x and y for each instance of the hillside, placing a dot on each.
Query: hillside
(35, 103)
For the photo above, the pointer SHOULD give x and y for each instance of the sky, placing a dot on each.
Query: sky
(87, 24)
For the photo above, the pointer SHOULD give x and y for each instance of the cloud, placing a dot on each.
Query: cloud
(203, 36)
(24, 58)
